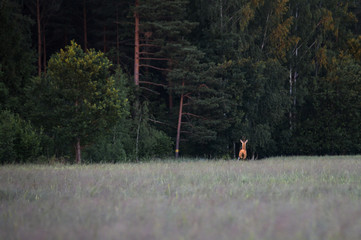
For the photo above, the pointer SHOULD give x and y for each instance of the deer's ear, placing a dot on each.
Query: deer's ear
(240, 140)
(246, 141)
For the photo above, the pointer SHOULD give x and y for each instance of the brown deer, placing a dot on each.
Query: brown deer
(243, 151)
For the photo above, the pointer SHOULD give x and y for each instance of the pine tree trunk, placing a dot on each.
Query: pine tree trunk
(136, 45)
(105, 39)
(117, 20)
(78, 151)
(179, 124)
(170, 97)
(39, 36)
(85, 26)
(44, 48)
(291, 87)
(137, 140)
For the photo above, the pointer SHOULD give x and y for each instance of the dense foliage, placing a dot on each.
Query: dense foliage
(285, 74)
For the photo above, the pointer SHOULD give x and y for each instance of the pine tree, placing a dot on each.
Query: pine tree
(201, 106)
(16, 56)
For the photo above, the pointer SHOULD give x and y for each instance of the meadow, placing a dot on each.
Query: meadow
(276, 198)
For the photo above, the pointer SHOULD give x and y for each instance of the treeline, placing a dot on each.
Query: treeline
(120, 80)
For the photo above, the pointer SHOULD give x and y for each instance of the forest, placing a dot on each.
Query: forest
(128, 80)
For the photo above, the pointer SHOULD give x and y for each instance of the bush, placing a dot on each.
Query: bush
(154, 143)
(105, 150)
(19, 141)
(119, 145)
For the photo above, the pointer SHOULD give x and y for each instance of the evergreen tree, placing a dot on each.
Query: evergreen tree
(202, 104)
(16, 56)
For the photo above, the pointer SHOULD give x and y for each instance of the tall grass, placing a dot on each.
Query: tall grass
(278, 198)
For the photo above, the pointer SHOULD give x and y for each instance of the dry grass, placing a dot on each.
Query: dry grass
(278, 198)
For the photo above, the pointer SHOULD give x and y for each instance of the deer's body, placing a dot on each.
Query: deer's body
(243, 151)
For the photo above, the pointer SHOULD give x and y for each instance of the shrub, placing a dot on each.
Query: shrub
(19, 141)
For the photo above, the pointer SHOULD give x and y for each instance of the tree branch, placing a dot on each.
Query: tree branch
(158, 59)
(150, 66)
(185, 132)
(152, 83)
(194, 115)
(148, 45)
(155, 121)
(203, 85)
(150, 90)
(147, 53)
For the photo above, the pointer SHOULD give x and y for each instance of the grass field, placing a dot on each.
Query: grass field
(278, 198)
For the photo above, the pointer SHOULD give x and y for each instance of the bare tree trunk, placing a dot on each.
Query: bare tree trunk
(179, 124)
(44, 48)
(65, 38)
(78, 151)
(221, 15)
(170, 100)
(265, 33)
(136, 45)
(104, 39)
(85, 26)
(234, 150)
(291, 87)
(170, 92)
(39, 36)
(77, 145)
(118, 58)
(170, 97)
(295, 74)
(293, 82)
(137, 140)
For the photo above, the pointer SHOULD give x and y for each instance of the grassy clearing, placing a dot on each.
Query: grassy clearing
(278, 198)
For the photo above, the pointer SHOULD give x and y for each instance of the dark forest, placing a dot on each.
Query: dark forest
(114, 81)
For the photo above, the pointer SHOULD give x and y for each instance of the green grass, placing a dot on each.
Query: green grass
(277, 198)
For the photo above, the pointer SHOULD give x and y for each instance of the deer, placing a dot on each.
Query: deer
(243, 151)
